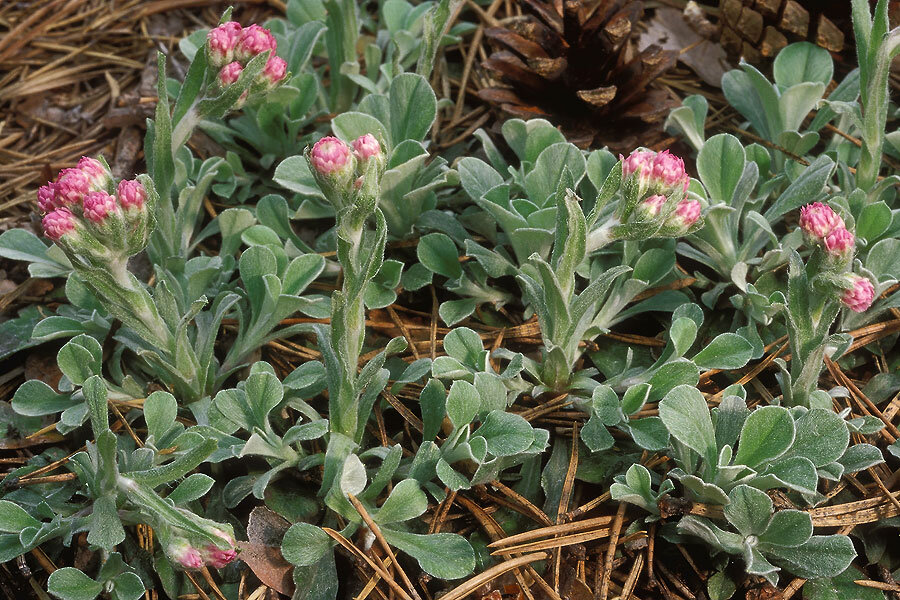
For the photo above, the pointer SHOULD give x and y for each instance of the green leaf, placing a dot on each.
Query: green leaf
(874, 220)
(801, 62)
(822, 437)
(720, 164)
(407, 501)
(441, 555)
(840, 587)
(318, 581)
(477, 177)
(193, 487)
(452, 312)
(34, 398)
(350, 125)
(788, 528)
(106, 528)
(749, 510)
(649, 433)
(595, 435)
(14, 519)
(767, 434)
(725, 351)
(821, 556)
(68, 583)
(413, 107)
(80, 358)
(859, 457)
(304, 544)
(160, 411)
(127, 586)
(20, 244)
(686, 416)
(506, 433)
(95, 394)
(463, 403)
(720, 586)
(432, 403)
(438, 252)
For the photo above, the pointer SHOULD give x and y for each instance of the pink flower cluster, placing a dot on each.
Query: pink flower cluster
(860, 295)
(82, 192)
(188, 557)
(229, 48)
(822, 226)
(329, 155)
(659, 172)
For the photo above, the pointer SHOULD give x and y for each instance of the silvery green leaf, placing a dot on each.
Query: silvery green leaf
(442, 555)
(463, 403)
(716, 537)
(450, 477)
(595, 435)
(720, 164)
(820, 556)
(795, 472)
(406, 501)
(686, 416)
(859, 457)
(305, 544)
(193, 487)
(68, 583)
(649, 433)
(748, 510)
(822, 437)
(788, 528)
(725, 351)
(454, 311)
(767, 434)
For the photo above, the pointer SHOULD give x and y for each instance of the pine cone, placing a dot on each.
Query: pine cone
(565, 60)
(759, 29)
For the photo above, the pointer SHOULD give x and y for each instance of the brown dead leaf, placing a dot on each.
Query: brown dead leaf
(669, 29)
(263, 552)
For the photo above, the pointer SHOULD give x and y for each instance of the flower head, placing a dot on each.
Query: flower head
(71, 186)
(817, 220)
(275, 70)
(230, 73)
(859, 294)
(218, 557)
(46, 197)
(330, 155)
(97, 175)
(686, 213)
(98, 206)
(839, 243)
(184, 555)
(252, 41)
(650, 207)
(132, 194)
(668, 170)
(221, 41)
(366, 147)
(58, 223)
(657, 172)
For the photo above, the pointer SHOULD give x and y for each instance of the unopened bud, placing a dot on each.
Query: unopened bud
(46, 197)
(58, 223)
(220, 43)
(859, 294)
(252, 41)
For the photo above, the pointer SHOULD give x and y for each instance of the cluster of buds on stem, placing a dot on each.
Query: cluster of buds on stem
(85, 213)
(191, 552)
(230, 47)
(348, 174)
(656, 179)
(823, 228)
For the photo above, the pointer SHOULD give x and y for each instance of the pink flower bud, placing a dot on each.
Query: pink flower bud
(860, 295)
(217, 557)
(230, 73)
(72, 186)
(220, 43)
(668, 170)
(366, 147)
(46, 197)
(817, 220)
(660, 173)
(96, 173)
(687, 211)
(97, 206)
(184, 555)
(132, 194)
(58, 223)
(275, 70)
(639, 161)
(252, 41)
(650, 208)
(839, 243)
(330, 155)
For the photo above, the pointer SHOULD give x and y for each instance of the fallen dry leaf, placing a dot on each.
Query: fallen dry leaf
(671, 31)
(262, 552)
